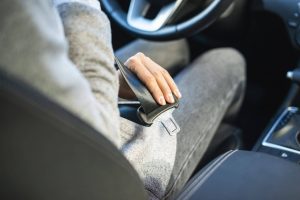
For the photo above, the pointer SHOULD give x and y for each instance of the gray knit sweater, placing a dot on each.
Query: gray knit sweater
(65, 53)
(34, 49)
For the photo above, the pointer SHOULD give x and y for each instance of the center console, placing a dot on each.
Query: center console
(282, 138)
(265, 173)
(245, 175)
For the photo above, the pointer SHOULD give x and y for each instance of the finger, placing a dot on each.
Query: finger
(162, 83)
(171, 83)
(137, 67)
(167, 77)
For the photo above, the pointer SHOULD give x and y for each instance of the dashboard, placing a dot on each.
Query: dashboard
(289, 11)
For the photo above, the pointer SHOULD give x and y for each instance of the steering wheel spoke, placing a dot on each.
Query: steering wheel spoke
(137, 15)
(137, 22)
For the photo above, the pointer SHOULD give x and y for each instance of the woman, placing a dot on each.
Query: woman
(63, 49)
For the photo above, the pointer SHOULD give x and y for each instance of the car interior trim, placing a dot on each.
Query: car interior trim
(275, 146)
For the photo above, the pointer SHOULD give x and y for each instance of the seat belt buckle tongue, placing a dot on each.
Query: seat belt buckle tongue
(171, 126)
(169, 123)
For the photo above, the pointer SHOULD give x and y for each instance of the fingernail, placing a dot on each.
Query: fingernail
(170, 98)
(178, 94)
(162, 100)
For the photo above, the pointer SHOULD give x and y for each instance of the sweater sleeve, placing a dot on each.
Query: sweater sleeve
(33, 48)
(88, 32)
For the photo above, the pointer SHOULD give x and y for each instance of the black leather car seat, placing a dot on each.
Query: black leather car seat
(47, 153)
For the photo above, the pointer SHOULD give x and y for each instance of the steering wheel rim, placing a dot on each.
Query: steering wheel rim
(170, 32)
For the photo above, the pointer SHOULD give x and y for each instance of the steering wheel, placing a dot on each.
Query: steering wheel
(135, 20)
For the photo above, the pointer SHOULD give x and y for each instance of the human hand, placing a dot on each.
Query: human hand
(158, 81)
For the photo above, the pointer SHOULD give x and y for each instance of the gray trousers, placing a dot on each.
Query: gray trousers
(212, 87)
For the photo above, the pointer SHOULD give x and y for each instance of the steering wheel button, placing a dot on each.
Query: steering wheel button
(292, 24)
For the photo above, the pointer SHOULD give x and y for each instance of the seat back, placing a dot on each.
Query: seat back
(47, 153)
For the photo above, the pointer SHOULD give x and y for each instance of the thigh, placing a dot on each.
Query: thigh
(151, 151)
(208, 87)
(166, 162)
